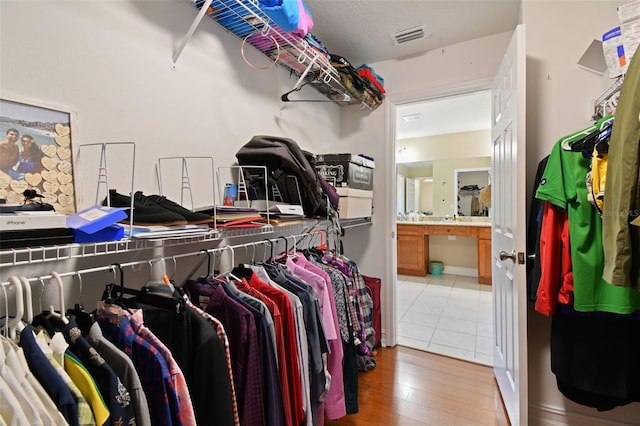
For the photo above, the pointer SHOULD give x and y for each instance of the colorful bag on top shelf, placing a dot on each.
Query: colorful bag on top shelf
(290, 15)
(240, 19)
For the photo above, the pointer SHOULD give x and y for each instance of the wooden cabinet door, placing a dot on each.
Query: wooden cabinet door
(484, 261)
(412, 250)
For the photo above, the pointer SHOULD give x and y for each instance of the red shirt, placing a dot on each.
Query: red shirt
(556, 279)
(243, 286)
(292, 390)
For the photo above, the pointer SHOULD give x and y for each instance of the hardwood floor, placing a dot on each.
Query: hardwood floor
(410, 387)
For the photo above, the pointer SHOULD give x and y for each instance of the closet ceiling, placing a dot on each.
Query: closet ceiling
(360, 30)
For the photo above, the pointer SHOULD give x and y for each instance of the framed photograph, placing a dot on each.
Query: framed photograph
(36, 153)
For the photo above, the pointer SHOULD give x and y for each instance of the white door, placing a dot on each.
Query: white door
(509, 224)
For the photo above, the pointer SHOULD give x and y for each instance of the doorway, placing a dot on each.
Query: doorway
(449, 313)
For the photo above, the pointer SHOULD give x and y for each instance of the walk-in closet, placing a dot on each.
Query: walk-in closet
(147, 105)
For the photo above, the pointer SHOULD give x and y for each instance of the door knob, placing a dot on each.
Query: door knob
(504, 255)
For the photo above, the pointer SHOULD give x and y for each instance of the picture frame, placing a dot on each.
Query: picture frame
(36, 154)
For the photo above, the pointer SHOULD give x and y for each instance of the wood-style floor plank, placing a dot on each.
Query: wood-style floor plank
(409, 387)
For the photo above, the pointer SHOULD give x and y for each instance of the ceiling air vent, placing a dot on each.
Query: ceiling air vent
(407, 35)
(413, 117)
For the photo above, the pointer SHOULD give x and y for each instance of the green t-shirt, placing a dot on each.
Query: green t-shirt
(563, 185)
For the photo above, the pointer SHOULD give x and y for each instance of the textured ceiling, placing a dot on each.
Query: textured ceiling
(360, 30)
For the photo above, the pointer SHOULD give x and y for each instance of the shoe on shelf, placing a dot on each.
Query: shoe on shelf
(193, 218)
(145, 211)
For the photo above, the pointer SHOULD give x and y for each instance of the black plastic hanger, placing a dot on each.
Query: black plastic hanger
(285, 96)
(601, 134)
(83, 318)
(602, 144)
(114, 295)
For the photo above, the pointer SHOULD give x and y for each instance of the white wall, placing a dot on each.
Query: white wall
(110, 63)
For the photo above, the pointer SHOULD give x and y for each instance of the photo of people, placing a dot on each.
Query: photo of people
(35, 153)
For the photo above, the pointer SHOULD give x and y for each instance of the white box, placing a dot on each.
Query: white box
(354, 203)
(32, 220)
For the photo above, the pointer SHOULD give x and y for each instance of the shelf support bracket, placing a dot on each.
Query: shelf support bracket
(304, 74)
(192, 29)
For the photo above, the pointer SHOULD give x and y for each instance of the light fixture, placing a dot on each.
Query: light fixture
(413, 117)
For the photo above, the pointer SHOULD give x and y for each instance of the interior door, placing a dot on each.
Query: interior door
(509, 224)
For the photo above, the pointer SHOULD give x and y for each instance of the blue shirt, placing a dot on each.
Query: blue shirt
(48, 377)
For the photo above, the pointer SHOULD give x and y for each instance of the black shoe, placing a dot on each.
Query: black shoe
(193, 218)
(146, 212)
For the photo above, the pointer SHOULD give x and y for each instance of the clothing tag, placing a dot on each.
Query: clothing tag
(203, 302)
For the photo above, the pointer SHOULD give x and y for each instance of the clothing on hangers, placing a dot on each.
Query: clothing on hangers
(116, 335)
(563, 184)
(243, 344)
(198, 352)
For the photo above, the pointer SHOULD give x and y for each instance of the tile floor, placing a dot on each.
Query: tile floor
(446, 314)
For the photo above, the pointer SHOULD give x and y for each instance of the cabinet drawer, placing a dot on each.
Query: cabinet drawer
(461, 231)
(411, 229)
(484, 233)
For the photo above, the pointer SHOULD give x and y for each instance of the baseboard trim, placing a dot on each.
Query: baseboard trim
(459, 270)
(546, 415)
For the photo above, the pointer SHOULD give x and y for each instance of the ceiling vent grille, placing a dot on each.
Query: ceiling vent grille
(413, 117)
(408, 35)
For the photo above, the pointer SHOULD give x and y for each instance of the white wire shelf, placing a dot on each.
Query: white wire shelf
(55, 253)
(355, 222)
(246, 20)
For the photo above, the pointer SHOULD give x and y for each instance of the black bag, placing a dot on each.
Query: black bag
(288, 170)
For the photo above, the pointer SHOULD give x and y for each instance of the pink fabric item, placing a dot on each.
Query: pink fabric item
(334, 405)
(305, 22)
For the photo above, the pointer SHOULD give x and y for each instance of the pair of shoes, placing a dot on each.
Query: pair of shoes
(193, 218)
(155, 210)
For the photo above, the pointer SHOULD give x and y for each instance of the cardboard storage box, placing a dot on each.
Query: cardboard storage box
(354, 203)
(346, 170)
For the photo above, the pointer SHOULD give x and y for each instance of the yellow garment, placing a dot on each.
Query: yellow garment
(85, 415)
(599, 177)
(88, 388)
